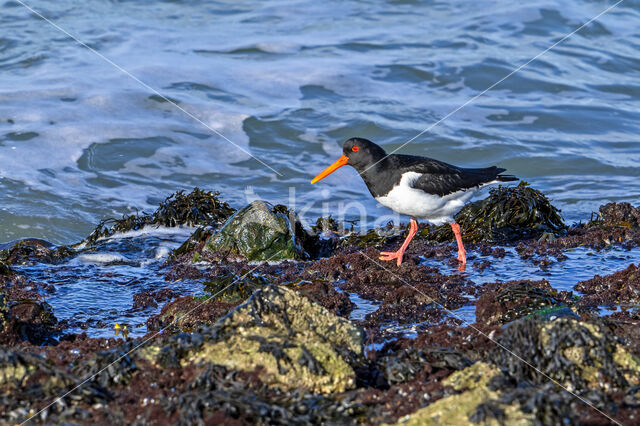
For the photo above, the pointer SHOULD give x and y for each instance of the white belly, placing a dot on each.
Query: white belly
(416, 203)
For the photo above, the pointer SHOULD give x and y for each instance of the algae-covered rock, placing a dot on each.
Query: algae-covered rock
(257, 232)
(403, 366)
(294, 342)
(289, 341)
(507, 214)
(515, 299)
(32, 250)
(476, 402)
(579, 355)
(619, 287)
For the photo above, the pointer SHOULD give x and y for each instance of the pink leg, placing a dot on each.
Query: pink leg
(462, 253)
(388, 255)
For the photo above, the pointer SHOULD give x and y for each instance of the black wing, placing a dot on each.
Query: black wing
(442, 179)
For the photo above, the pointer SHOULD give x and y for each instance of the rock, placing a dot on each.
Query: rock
(405, 365)
(32, 250)
(476, 403)
(507, 214)
(25, 319)
(186, 313)
(619, 287)
(620, 214)
(287, 340)
(257, 232)
(509, 301)
(579, 355)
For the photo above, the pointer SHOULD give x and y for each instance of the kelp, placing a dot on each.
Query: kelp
(507, 214)
(198, 208)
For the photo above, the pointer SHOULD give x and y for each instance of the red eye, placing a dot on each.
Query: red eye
(355, 148)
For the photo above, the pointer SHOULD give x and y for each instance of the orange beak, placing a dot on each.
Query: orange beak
(342, 161)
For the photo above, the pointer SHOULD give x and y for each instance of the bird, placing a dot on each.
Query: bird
(418, 187)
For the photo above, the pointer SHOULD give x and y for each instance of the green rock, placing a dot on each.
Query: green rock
(257, 232)
(291, 342)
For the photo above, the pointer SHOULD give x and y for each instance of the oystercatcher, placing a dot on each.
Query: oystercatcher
(418, 187)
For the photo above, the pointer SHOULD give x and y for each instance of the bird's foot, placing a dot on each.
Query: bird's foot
(390, 255)
(462, 256)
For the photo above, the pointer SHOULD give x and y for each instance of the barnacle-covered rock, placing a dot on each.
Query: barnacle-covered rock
(289, 341)
(619, 214)
(579, 355)
(294, 342)
(507, 214)
(475, 403)
(257, 232)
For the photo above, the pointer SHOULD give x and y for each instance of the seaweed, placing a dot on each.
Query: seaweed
(507, 214)
(198, 208)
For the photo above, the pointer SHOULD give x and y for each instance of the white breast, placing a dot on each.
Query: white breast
(405, 199)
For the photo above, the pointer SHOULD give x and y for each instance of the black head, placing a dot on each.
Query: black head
(362, 153)
(358, 153)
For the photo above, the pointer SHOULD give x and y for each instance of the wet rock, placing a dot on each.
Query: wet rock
(289, 341)
(32, 250)
(619, 287)
(506, 302)
(198, 208)
(324, 294)
(193, 243)
(25, 320)
(619, 214)
(150, 298)
(406, 364)
(235, 286)
(507, 214)
(187, 313)
(257, 232)
(31, 320)
(475, 403)
(579, 355)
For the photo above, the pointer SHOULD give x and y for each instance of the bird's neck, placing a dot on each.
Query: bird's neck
(374, 177)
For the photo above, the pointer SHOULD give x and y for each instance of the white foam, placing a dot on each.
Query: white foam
(102, 258)
(154, 231)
